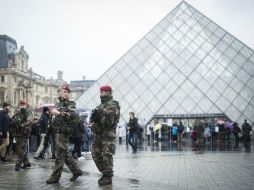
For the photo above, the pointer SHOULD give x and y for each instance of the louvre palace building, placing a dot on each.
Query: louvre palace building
(18, 82)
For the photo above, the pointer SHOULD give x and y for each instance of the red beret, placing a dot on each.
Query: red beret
(105, 88)
(22, 102)
(66, 87)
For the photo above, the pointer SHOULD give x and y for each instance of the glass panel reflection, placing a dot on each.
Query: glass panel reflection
(185, 64)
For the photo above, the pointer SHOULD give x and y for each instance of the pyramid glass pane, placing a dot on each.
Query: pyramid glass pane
(186, 64)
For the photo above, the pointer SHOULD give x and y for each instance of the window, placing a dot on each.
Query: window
(37, 99)
(22, 65)
(46, 100)
(46, 89)
(15, 98)
(1, 96)
(2, 78)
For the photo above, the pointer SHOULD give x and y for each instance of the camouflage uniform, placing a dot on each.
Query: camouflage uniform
(199, 127)
(63, 126)
(22, 125)
(104, 123)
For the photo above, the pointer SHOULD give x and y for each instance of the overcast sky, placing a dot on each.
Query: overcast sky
(85, 37)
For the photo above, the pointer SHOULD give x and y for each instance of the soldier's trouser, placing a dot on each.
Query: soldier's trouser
(180, 137)
(21, 143)
(5, 143)
(102, 153)
(63, 156)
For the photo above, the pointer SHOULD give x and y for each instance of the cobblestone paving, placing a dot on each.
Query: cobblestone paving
(154, 167)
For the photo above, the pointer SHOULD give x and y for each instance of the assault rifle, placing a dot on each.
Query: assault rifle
(94, 118)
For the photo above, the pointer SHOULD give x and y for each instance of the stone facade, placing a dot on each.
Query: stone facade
(17, 82)
(78, 87)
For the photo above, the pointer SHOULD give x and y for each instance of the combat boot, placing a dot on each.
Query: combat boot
(17, 167)
(105, 180)
(76, 175)
(28, 165)
(100, 179)
(53, 179)
(4, 159)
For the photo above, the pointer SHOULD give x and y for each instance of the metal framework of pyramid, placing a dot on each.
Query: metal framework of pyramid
(186, 64)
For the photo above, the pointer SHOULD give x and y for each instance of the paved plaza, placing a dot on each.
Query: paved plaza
(155, 166)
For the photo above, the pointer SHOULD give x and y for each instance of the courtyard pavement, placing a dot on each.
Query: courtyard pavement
(159, 166)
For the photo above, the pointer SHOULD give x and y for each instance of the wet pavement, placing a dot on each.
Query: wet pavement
(155, 166)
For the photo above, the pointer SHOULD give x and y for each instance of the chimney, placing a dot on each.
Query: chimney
(60, 75)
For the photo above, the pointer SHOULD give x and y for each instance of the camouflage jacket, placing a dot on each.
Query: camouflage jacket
(199, 126)
(107, 118)
(65, 122)
(21, 122)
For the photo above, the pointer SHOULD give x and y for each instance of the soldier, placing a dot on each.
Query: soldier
(104, 119)
(199, 127)
(22, 123)
(63, 122)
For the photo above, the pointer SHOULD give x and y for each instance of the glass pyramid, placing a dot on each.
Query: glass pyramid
(186, 64)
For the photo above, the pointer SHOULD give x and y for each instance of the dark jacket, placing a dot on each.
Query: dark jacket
(35, 129)
(180, 128)
(133, 124)
(43, 123)
(4, 123)
(246, 128)
(78, 130)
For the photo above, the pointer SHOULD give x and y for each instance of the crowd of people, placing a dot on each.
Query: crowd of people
(200, 132)
(62, 134)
